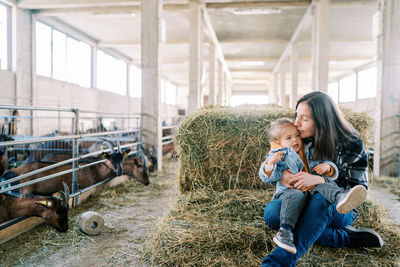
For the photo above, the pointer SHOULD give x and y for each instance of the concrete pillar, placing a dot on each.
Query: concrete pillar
(294, 71)
(225, 93)
(273, 92)
(211, 69)
(22, 57)
(219, 89)
(320, 45)
(282, 91)
(195, 59)
(228, 92)
(94, 67)
(151, 77)
(387, 134)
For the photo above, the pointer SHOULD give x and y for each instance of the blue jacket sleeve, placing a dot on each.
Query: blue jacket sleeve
(276, 171)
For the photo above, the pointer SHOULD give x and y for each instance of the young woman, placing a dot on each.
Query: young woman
(327, 136)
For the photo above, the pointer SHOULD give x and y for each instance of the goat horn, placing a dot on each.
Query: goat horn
(119, 147)
(140, 147)
(144, 161)
(109, 144)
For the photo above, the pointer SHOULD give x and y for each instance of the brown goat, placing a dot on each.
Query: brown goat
(53, 209)
(131, 166)
(86, 176)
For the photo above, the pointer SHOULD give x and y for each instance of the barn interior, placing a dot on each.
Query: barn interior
(137, 68)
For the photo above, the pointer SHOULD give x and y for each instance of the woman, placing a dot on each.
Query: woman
(327, 136)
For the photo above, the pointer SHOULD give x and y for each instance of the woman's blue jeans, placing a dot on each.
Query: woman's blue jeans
(319, 223)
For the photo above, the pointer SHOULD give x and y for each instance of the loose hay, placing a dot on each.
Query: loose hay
(221, 148)
(209, 228)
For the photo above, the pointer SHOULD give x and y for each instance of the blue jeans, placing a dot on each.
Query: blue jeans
(319, 223)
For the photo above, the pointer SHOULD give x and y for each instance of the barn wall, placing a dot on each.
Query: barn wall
(362, 105)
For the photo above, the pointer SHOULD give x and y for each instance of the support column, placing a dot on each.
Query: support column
(225, 88)
(195, 59)
(219, 92)
(151, 78)
(387, 134)
(94, 67)
(273, 92)
(22, 58)
(320, 45)
(228, 92)
(211, 70)
(282, 91)
(294, 71)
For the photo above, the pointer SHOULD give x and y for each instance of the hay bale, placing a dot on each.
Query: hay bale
(222, 148)
(209, 228)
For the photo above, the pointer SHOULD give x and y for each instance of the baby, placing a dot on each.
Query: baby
(287, 154)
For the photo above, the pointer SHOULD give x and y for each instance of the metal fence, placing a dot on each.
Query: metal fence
(29, 134)
(169, 125)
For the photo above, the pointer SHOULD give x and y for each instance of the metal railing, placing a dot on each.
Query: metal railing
(116, 127)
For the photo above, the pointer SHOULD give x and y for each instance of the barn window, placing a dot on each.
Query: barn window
(333, 91)
(170, 93)
(347, 89)
(135, 86)
(367, 83)
(4, 16)
(62, 57)
(78, 62)
(59, 55)
(163, 91)
(111, 73)
(43, 49)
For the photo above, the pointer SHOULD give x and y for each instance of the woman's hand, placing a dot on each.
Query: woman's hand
(322, 168)
(286, 177)
(304, 180)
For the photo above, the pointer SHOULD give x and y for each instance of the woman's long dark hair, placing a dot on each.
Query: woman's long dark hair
(330, 125)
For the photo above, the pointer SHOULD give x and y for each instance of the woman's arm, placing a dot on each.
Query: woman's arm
(354, 165)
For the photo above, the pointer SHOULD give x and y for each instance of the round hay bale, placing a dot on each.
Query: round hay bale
(222, 148)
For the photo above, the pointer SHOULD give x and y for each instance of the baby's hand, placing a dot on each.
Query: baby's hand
(322, 168)
(277, 156)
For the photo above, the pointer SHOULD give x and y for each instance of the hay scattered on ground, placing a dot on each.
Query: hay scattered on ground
(392, 184)
(222, 148)
(209, 228)
(43, 242)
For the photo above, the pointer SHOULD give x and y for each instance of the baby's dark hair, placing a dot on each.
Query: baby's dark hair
(276, 128)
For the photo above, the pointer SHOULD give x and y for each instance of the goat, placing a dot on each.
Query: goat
(3, 162)
(168, 151)
(53, 209)
(136, 167)
(86, 177)
(10, 127)
(149, 156)
(132, 166)
(3, 155)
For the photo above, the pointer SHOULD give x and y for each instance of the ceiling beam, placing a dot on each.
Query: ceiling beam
(77, 6)
(259, 4)
(10, 2)
(43, 4)
(294, 38)
(125, 43)
(214, 39)
(99, 10)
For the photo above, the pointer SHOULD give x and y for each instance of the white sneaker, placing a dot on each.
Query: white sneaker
(351, 199)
